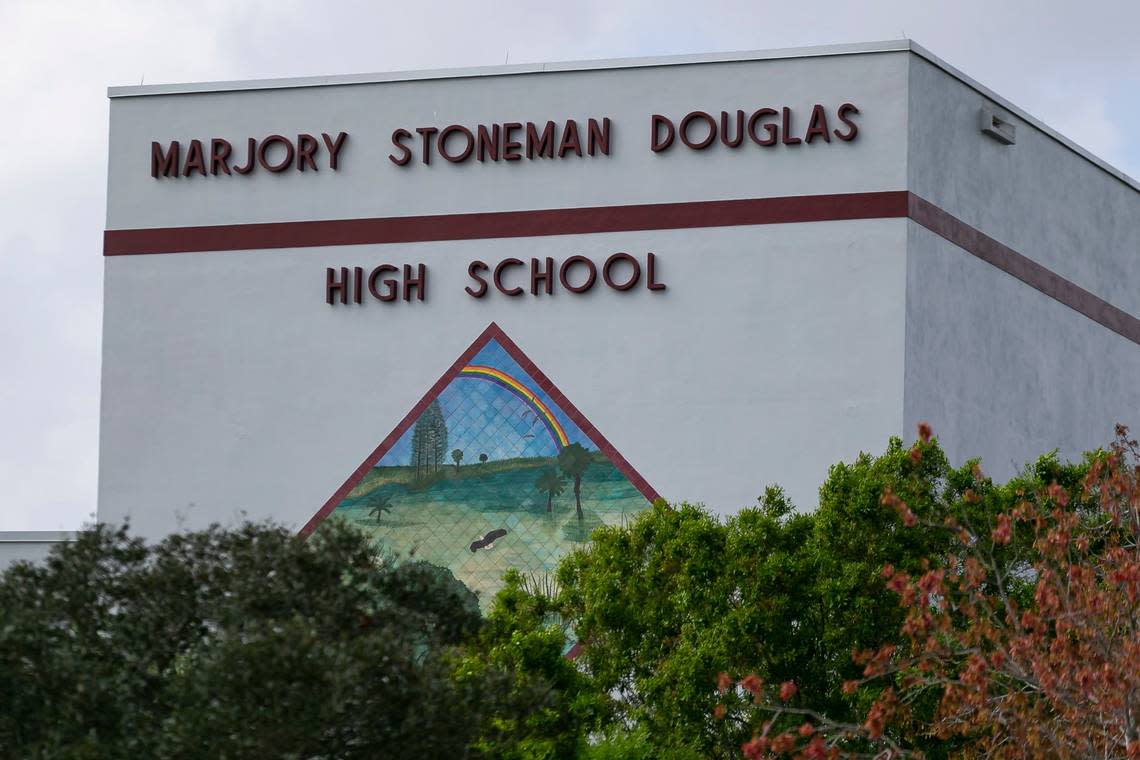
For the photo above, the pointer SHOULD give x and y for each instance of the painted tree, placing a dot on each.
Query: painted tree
(573, 461)
(457, 457)
(378, 506)
(429, 440)
(419, 446)
(551, 483)
(437, 435)
(482, 459)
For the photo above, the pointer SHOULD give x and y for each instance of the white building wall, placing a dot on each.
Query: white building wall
(1037, 196)
(29, 545)
(1002, 370)
(231, 387)
(367, 184)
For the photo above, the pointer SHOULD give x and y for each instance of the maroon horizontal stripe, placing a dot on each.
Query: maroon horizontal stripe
(506, 224)
(1028, 271)
(628, 218)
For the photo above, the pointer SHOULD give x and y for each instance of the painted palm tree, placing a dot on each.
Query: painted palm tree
(379, 506)
(573, 461)
(551, 483)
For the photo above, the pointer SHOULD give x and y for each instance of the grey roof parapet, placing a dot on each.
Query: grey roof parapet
(507, 69)
(37, 536)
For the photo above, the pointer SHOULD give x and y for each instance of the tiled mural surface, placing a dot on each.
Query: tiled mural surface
(493, 474)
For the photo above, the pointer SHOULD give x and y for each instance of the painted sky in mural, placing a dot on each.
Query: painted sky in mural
(520, 426)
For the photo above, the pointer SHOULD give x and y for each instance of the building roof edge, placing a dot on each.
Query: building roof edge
(1022, 114)
(37, 536)
(815, 51)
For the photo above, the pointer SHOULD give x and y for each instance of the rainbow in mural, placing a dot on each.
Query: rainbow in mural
(494, 469)
(557, 432)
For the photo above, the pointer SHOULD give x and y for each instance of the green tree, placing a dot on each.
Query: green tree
(669, 602)
(551, 483)
(254, 643)
(1004, 591)
(573, 460)
(650, 602)
(548, 708)
(247, 643)
(457, 457)
(482, 459)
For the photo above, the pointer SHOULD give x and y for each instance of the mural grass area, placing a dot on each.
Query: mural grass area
(492, 475)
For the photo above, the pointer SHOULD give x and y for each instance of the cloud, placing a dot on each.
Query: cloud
(58, 59)
(1084, 118)
(1063, 62)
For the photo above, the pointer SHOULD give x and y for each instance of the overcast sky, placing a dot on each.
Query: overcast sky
(1074, 65)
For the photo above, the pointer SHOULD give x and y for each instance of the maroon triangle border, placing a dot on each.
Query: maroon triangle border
(493, 332)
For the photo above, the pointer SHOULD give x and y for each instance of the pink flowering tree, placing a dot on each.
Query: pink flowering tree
(1021, 642)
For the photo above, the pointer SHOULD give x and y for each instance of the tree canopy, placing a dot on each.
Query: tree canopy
(248, 643)
(667, 603)
(920, 608)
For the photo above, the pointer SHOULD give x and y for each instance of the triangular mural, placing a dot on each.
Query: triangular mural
(494, 468)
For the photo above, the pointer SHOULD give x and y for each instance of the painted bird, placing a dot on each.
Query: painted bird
(488, 541)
